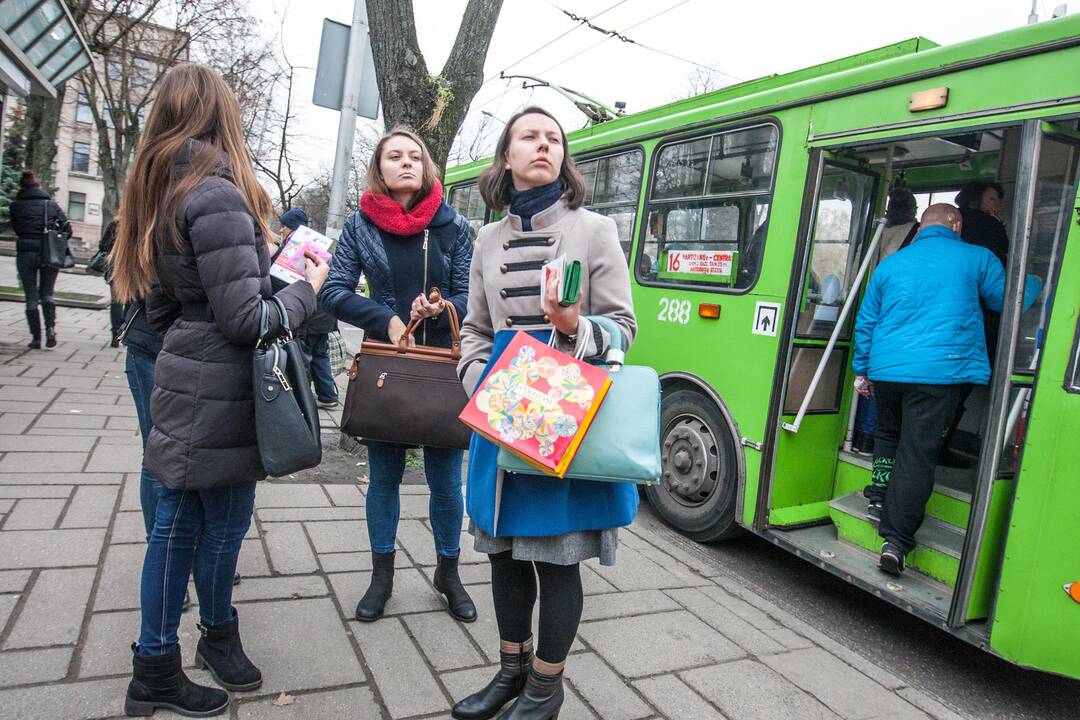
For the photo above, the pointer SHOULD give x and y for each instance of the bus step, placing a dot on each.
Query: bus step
(939, 543)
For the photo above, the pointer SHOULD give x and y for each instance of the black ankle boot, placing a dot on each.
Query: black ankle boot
(458, 602)
(504, 687)
(221, 652)
(371, 606)
(35, 343)
(50, 337)
(541, 699)
(158, 681)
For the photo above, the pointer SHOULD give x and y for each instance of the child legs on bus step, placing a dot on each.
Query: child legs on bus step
(446, 507)
(912, 421)
(217, 519)
(536, 682)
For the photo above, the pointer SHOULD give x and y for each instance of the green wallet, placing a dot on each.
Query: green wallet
(571, 284)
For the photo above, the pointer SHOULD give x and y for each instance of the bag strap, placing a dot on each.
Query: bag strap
(455, 326)
(617, 348)
(45, 208)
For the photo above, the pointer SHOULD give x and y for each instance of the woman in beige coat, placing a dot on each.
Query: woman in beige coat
(533, 527)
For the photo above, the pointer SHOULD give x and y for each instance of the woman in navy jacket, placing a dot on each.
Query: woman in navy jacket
(405, 240)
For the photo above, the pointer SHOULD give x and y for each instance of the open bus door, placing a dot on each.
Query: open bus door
(953, 575)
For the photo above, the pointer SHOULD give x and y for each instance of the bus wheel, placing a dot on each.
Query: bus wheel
(698, 486)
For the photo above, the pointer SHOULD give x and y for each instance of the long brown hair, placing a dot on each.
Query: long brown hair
(192, 103)
(495, 182)
(374, 181)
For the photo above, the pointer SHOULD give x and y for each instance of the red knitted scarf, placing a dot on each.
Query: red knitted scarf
(390, 217)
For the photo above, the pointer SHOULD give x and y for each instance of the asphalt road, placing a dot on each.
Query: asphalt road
(972, 681)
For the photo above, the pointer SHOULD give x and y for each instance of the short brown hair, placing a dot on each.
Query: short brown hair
(29, 179)
(431, 173)
(495, 182)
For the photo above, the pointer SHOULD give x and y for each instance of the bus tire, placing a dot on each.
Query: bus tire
(699, 481)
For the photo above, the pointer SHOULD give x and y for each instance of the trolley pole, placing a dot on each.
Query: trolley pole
(350, 105)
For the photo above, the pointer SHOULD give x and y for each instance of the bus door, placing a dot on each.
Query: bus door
(839, 230)
(1024, 468)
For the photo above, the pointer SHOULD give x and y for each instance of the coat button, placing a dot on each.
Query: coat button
(551, 241)
(502, 293)
(502, 269)
(506, 246)
(509, 322)
(546, 318)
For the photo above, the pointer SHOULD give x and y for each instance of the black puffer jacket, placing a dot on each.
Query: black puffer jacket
(208, 305)
(27, 212)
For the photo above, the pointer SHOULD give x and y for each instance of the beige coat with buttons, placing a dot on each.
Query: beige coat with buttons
(504, 281)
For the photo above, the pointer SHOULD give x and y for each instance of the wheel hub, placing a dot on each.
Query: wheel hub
(690, 460)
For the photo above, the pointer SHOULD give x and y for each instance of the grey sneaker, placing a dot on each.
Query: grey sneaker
(873, 511)
(892, 559)
(327, 404)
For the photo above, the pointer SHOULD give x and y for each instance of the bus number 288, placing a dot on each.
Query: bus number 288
(674, 310)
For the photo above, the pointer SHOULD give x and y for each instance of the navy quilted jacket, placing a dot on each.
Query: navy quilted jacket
(361, 249)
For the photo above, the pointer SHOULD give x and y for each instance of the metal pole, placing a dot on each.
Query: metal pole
(1033, 17)
(837, 329)
(350, 105)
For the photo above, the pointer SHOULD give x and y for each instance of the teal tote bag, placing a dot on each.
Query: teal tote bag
(623, 442)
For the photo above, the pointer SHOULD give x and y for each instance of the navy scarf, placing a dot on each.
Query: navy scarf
(527, 203)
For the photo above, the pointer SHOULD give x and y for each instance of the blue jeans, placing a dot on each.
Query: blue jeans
(318, 347)
(139, 367)
(442, 467)
(207, 526)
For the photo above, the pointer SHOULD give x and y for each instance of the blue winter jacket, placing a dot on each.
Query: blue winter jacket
(921, 321)
(361, 250)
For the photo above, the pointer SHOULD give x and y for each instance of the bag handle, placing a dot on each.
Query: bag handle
(616, 351)
(264, 319)
(455, 326)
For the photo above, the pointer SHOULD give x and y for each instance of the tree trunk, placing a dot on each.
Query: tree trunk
(434, 106)
(42, 123)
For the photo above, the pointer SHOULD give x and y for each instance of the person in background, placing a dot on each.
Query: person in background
(32, 214)
(117, 310)
(546, 528)
(918, 344)
(900, 229)
(190, 241)
(405, 240)
(313, 334)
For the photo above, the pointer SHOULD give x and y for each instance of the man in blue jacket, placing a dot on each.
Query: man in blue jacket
(919, 343)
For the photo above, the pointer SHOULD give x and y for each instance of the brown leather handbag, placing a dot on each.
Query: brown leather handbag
(408, 395)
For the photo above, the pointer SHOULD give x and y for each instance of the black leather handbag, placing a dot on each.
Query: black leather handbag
(54, 248)
(286, 418)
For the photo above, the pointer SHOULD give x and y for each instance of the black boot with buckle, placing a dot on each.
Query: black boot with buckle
(158, 681)
(222, 653)
(371, 606)
(541, 699)
(504, 687)
(447, 581)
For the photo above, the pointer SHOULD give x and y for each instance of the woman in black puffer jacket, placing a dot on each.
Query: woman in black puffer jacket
(32, 213)
(191, 240)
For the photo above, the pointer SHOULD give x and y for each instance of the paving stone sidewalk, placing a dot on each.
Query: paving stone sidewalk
(664, 634)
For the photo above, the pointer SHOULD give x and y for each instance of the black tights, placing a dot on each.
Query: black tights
(513, 588)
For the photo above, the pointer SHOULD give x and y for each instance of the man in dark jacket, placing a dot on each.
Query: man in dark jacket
(315, 333)
(918, 343)
(33, 213)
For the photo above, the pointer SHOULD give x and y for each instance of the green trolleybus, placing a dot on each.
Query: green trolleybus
(749, 218)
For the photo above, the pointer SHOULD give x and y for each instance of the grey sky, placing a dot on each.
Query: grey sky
(743, 39)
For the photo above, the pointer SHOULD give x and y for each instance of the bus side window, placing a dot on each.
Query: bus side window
(468, 201)
(612, 188)
(708, 210)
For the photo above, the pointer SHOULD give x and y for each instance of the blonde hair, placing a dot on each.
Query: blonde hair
(193, 103)
(374, 181)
